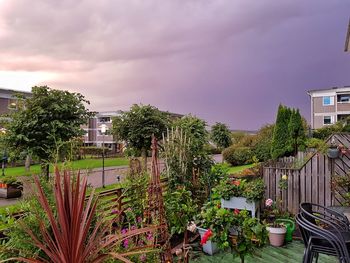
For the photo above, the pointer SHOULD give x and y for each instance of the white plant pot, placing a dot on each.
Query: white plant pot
(210, 247)
(277, 235)
(241, 203)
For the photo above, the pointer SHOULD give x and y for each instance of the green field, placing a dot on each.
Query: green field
(236, 169)
(76, 165)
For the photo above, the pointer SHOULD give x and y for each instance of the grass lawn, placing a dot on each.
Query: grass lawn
(80, 164)
(236, 169)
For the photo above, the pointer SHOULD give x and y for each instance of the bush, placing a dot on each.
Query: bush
(212, 149)
(318, 144)
(93, 150)
(262, 145)
(238, 155)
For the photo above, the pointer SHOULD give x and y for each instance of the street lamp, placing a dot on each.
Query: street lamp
(103, 131)
(4, 155)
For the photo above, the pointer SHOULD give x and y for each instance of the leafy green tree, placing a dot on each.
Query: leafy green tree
(296, 130)
(137, 126)
(280, 134)
(262, 143)
(198, 161)
(221, 135)
(195, 128)
(42, 123)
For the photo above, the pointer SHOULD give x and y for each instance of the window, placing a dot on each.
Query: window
(328, 120)
(328, 100)
(104, 119)
(344, 98)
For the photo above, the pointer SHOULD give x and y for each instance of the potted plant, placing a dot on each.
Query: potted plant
(277, 233)
(333, 151)
(249, 235)
(241, 194)
(214, 224)
(10, 187)
(278, 224)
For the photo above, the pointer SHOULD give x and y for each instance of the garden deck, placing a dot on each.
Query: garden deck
(291, 253)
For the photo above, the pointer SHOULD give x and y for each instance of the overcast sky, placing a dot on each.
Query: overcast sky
(231, 61)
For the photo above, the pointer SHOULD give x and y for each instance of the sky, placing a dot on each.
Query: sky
(230, 61)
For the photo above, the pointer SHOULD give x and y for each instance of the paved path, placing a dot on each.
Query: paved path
(94, 179)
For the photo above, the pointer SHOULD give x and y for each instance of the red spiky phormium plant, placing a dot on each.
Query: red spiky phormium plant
(70, 238)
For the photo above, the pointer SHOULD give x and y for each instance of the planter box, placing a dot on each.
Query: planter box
(10, 192)
(242, 203)
(210, 247)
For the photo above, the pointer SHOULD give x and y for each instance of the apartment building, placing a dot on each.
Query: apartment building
(329, 106)
(94, 137)
(8, 100)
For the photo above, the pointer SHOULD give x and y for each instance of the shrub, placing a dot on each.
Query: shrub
(262, 144)
(237, 155)
(180, 209)
(93, 150)
(318, 144)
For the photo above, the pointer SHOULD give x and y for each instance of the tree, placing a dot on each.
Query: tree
(221, 135)
(280, 134)
(195, 128)
(137, 126)
(262, 142)
(45, 121)
(296, 132)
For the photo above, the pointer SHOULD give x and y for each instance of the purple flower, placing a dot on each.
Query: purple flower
(143, 257)
(139, 219)
(133, 227)
(126, 243)
(124, 230)
(149, 236)
(115, 212)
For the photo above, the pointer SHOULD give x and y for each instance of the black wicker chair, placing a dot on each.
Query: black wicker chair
(323, 212)
(324, 231)
(317, 242)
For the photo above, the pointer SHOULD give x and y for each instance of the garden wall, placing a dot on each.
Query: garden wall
(311, 182)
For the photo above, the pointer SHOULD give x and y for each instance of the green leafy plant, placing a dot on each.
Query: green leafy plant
(10, 180)
(249, 235)
(253, 190)
(283, 183)
(180, 209)
(238, 155)
(221, 135)
(219, 220)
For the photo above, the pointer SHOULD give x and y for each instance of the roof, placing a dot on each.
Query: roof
(333, 89)
(12, 91)
(347, 40)
(10, 94)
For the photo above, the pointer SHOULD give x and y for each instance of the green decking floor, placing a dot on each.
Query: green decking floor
(291, 253)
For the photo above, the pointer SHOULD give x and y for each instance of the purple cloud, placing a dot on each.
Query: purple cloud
(223, 60)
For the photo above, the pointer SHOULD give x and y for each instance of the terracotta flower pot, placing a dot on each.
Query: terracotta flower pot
(277, 235)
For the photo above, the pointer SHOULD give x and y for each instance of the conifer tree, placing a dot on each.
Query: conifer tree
(296, 132)
(281, 134)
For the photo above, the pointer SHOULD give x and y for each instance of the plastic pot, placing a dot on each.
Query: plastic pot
(333, 153)
(277, 235)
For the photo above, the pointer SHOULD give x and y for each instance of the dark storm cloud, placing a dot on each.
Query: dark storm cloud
(224, 60)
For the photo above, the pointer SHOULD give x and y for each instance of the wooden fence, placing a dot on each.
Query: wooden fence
(310, 183)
